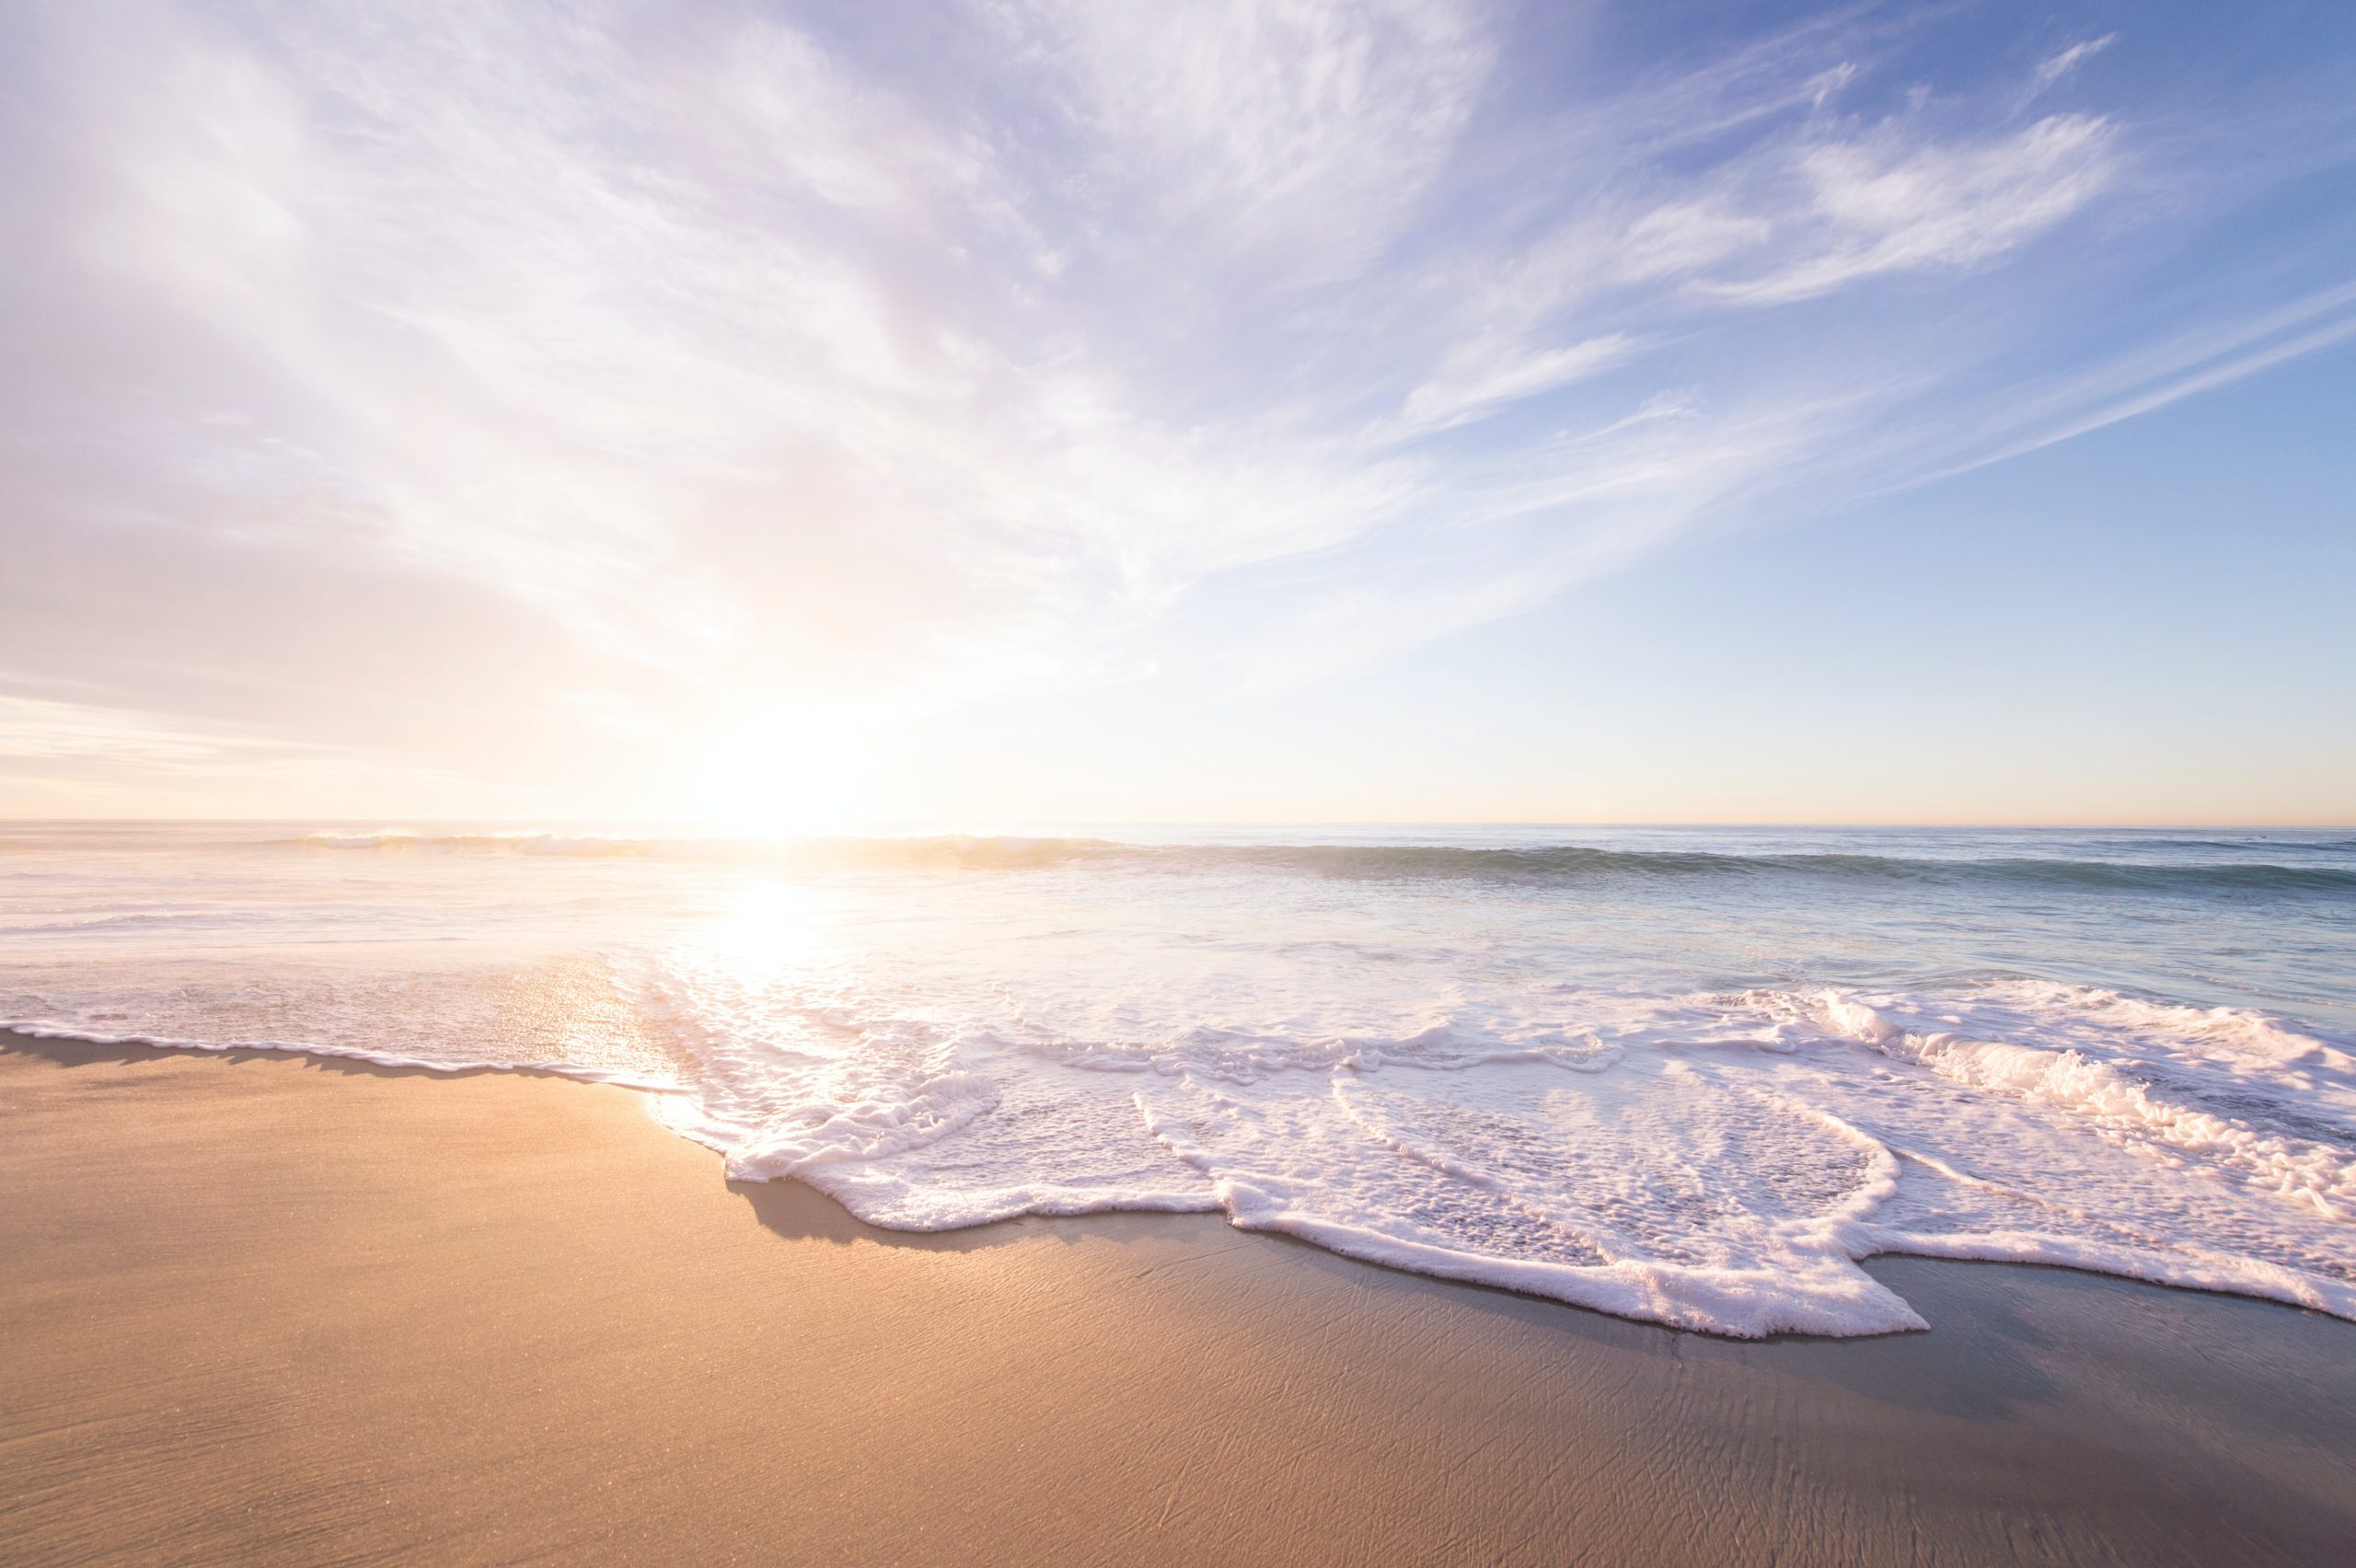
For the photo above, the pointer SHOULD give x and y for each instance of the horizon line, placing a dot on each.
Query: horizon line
(901, 829)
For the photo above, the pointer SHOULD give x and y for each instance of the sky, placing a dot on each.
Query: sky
(786, 417)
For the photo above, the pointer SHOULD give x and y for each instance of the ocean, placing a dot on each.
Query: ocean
(1691, 1075)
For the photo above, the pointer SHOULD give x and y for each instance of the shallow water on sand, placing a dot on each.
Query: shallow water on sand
(1690, 1075)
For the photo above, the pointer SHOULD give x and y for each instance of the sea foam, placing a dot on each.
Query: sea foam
(1695, 1081)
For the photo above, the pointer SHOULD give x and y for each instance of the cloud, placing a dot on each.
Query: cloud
(1479, 377)
(1879, 205)
(2060, 65)
(690, 363)
(2060, 408)
(73, 760)
(37, 730)
(1300, 135)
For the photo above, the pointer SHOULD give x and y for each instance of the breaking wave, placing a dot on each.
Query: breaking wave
(1380, 861)
(1689, 1077)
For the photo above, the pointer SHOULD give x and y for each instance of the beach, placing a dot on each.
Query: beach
(1450, 782)
(270, 1307)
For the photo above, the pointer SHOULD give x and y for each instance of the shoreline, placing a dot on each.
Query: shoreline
(253, 1313)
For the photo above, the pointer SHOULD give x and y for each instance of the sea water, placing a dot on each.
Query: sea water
(1686, 1075)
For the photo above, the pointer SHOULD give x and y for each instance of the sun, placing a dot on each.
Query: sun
(776, 776)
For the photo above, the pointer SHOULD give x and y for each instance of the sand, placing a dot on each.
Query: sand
(268, 1308)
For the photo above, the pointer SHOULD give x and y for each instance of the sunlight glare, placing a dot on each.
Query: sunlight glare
(776, 776)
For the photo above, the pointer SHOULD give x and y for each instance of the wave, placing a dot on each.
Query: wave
(106, 923)
(942, 852)
(461, 1066)
(485, 843)
(1570, 861)
(2116, 1102)
(1721, 1163)
(1369, 862)
(1673, 1175)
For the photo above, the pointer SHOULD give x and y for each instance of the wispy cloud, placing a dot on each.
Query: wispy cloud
(72, 759)
(37, 730)
(1480, 374)
(2061, 409)
(1881, 204)
(743, 353)
(1299, 137)
(2060, 65)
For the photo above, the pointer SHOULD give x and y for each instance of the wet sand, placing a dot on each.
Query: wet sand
(268, 1308)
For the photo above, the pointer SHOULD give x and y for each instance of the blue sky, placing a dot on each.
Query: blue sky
(1016, 412)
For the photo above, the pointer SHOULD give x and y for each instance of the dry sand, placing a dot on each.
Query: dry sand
(268, 1308)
